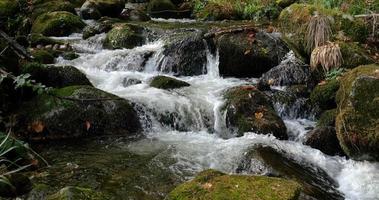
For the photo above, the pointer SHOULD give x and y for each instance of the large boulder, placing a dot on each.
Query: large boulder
(76, 111)
(124, 36)
(357, 121)
(249, 54)
(249, 110)
(56, 76)
(211, 184)
(325, 140)
(43, 7)
(95, 9)
(185, 55)
(291, 71)
(324, 95)
(165, 82)
(59, 23)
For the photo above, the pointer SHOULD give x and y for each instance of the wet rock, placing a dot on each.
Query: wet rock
(130, 81)
(43, 56)
(59, 23)
(72, 193)
(70, 55)
(76, 111)
(161, 8)
(327, 118)
(165, 82)
(133, 13)
(92, 30)
(124, 36)
(291, 71)
(357, 121)
(249, 54)
(95, 9)
(56, 76)
(249, 110)
(14, 184)
(324, 95)
(324, 139)
(211, 184)
(185, 55)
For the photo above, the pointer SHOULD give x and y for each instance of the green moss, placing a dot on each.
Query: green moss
(324, 95)
(51, 6)
(70, 55)
(123, 36)
(165, 82)
(39, 39)
(43, 56)
(8, 8)
(59, 23)
(216, 186)
(327, 118)
(71, 193)
(353, 55)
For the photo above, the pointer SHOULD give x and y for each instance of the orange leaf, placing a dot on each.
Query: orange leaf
(258, 115)
(37, 126)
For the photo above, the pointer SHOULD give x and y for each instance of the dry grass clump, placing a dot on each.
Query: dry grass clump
(318, 32)
(329, 56)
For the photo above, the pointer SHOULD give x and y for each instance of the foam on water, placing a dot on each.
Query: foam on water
(198, 107)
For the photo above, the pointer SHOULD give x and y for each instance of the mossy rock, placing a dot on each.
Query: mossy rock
(43, 56)
(51, 6)
(160, 6)
(165, 82)
(76, 111)
(59, 23)
(39, 39)
(211, 184)
(70, 55)
(353, 55)
(357, 122)
(8, 8)
(327, 118)
(56, 76)
(123, 36)
(324, 139)
(73, 193)
(95, 9)
(325, 95)
(249, 110)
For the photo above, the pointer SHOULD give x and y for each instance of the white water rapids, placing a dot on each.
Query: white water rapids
(203, 141)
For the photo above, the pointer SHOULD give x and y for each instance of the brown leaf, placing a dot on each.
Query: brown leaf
(37, 126)
(247, 52)
(258, 115)
(88, 125)
(207, 185)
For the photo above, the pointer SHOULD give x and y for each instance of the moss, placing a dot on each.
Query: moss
(325, 95)
(51, 6)
(43, 56)
(123, 36)
(59, 23)
(70, 193)
(8, 8)
(327, 118)
(165, 82)
(235, 187)
(39, 39)
(353, 55)
(70, 55)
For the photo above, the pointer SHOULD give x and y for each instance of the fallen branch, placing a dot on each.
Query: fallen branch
(18, 49)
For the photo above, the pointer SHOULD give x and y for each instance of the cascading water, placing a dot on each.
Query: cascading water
(190, 125)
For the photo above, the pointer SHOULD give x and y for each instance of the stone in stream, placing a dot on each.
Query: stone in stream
(95, 9)
(165, 82)
(59, 23)
(76, 111)
(211, 184)
(185, 55)
(56, 76)
(325, 140)
(249, 53)
(357, 121)
(249, 110)
(43, 56)
(315, 181)
(124, 36)
(92, 30)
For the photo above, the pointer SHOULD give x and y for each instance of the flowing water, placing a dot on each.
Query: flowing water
(194, 137)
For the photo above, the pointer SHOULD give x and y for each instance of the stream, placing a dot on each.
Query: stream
(193, 138)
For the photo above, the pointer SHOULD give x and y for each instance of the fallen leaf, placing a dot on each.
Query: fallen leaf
(207, 185)
(258, 115)
(37, 126)
(88, 125)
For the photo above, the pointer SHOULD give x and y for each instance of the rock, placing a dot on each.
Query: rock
(357, 121)
(327, 118)
(134, 14)
(43, 56)
(353, 55)
(8, 8)
(185, 55)
(73, 193)
(92, 30)
(130, 81)
(39, 192)
(76, 111)
(123, 36)
(14, 184)
(165, 82)
(95, 9)
(44, 7)
(56, 76)
(291, 71)
(70, 55)
(247, 109)
(249, 54)
(59, 23)
(325, 140)
(324, 95)
(161, 8)
(211, 184)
